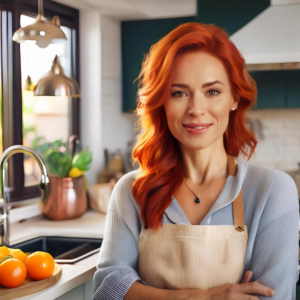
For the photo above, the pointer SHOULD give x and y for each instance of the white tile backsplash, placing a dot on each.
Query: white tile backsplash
(117, 126)
(280, 148)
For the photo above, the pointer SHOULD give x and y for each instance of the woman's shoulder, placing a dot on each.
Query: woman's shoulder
(267, 176)
(124, 184)
(122, 200)
(273, 191)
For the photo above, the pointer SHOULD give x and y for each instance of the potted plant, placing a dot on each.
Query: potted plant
(66, 164)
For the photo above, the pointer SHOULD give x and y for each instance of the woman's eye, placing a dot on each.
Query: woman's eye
(216, 92)
(178, 94)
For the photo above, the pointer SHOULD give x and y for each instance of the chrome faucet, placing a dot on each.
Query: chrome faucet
(4, 209)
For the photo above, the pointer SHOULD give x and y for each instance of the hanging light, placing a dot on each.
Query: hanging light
(41, 31)
(56, 83)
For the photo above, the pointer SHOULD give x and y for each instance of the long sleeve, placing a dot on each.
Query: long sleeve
(274, 261)
(117, 266)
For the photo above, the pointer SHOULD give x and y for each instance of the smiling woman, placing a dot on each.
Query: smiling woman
(183, 226)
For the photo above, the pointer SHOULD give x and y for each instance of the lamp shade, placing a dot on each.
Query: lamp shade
(56, 83)
(41, 31)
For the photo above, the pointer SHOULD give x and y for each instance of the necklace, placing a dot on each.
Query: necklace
(197, 200)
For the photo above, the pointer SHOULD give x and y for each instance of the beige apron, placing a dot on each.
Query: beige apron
(180, 256)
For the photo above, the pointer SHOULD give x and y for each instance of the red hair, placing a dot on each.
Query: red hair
(156, 149)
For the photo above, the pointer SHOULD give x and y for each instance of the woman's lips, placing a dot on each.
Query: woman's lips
(197, 131)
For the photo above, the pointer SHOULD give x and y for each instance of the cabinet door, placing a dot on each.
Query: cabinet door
(81, 292)
(270, 88)
(293, 88)
(75, 294)
(88, 288)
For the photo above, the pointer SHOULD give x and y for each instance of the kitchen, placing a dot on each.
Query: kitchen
(103, 53)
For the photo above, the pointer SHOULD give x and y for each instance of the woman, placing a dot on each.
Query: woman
(196, 221)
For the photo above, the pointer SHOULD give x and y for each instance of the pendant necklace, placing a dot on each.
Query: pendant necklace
(197, 200)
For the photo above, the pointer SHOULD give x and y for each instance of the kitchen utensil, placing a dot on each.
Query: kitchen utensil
(67, 199)
(115, 161)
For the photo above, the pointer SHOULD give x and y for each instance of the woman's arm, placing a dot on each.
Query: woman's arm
(117, 261)
(139, 291)
(117, 266)
(274, 260)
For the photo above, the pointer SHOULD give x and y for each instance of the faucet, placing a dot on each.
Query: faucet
(4, 209)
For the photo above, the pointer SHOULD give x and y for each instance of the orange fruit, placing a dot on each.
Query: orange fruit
(12, 272)
(19, 254)
(40, 265)
(4, 251)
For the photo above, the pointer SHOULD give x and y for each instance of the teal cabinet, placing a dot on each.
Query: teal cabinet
(293, 88)
(270, 89)
(277, 89)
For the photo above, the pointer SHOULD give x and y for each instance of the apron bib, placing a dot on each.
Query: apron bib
(180, 256)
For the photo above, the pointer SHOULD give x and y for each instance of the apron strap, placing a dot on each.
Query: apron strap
(238, 208)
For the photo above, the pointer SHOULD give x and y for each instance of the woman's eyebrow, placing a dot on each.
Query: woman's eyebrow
(204, 85)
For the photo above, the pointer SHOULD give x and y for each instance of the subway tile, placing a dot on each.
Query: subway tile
(291, 142)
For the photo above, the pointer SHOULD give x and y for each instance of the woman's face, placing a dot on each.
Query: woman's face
(200, 93)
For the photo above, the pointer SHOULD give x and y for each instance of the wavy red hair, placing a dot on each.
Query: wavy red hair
(156, 149)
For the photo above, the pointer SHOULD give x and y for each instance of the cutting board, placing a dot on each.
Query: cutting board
(30, 286)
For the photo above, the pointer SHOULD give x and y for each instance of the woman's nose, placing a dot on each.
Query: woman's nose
(197, 105)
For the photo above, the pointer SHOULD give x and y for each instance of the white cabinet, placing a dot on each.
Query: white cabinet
(81, 292)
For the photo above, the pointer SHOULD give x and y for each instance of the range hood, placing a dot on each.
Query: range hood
(271, 41)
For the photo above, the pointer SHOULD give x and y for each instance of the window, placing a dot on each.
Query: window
(24, 117)
(45, 118)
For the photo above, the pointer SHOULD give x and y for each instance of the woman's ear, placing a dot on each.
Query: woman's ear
(237, 100)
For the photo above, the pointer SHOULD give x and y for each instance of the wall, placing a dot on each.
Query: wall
(280, 148)
(103, 125)
(90, 83)
(117, 125)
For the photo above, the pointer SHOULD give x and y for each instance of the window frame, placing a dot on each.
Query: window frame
(11, 85)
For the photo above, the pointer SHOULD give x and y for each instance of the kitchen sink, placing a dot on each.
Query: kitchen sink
(67, 250)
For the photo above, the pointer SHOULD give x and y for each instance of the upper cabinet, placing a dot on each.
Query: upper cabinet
(277, 89)
(293, 89)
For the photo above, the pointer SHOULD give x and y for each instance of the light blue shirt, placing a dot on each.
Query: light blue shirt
(271, 208)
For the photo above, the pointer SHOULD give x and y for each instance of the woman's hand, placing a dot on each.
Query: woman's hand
(233, 291)
(239, 291)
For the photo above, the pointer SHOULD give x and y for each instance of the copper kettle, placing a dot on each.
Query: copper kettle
(67, 198)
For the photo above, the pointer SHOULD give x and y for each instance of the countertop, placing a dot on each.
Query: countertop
(91, 224)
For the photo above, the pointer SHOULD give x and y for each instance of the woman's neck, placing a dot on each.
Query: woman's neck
(204, 165)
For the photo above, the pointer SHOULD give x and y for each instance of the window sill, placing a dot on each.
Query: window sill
(25, 209)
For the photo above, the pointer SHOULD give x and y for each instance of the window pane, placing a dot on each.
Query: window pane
(44, 118)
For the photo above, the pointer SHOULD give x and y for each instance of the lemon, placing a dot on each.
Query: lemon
(12, 249)
(75, 172)
(4, 251)
(19, 254)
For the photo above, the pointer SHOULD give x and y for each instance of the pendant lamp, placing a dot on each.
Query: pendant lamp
(41, 31)
(56, 83)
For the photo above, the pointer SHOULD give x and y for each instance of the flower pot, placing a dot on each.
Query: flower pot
(67, 198)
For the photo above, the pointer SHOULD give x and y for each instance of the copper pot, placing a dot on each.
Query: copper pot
(67, 198)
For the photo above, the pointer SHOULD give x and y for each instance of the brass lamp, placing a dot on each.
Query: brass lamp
(41, 31)
(56, 83)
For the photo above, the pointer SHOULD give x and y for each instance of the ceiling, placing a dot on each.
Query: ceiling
(137, 9)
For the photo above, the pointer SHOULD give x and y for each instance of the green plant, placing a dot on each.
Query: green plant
(58, 157)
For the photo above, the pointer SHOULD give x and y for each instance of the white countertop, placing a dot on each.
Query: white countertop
(91, 224)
